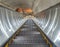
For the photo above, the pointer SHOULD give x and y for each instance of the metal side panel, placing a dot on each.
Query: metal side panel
(49, 22)
(10, 21)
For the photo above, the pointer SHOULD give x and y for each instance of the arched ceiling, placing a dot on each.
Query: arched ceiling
(35, 5)
(19, 3)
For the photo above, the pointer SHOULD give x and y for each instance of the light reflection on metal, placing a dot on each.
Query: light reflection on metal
(54, 28)
(10, 21)
(53, 21)
(48, 20)
(10, 29)
(3, 30)
(58, 37)
(50, 24)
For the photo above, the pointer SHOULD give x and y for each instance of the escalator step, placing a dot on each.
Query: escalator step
(29, 37)
(28, 45)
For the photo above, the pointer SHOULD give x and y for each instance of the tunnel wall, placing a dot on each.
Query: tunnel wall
(49, 21)
(10, 22)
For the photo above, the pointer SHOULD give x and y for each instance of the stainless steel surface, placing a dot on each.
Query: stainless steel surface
(10, 21)
(49, 22)
(29, 37)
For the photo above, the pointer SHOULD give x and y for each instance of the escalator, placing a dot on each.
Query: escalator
(29, 36)
(47, 20)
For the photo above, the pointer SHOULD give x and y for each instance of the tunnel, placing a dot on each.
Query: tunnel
(36, 24)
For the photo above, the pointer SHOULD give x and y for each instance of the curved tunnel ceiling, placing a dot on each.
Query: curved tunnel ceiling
(35, 5)
(20, 3)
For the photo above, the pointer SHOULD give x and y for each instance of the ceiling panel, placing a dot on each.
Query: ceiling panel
(20, 3)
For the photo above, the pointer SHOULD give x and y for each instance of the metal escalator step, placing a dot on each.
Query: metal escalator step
(32, 36)
(29, 37)
(28, 32)
(28, 42)
(27, 29)
(29, 45)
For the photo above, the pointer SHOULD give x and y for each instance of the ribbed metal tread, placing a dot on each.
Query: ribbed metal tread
(29, 36)
(28, 45)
